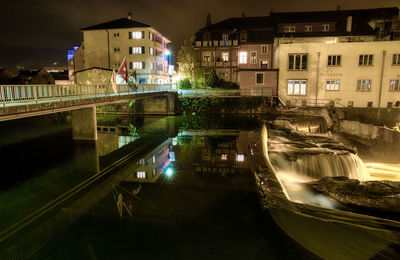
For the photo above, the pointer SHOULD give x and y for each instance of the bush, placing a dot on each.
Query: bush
(213, 80)
(201, 82)
(185, 84)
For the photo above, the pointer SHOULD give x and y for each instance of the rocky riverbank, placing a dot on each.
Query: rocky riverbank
(380, 197)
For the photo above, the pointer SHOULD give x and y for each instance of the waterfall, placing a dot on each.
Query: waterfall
(321, 165)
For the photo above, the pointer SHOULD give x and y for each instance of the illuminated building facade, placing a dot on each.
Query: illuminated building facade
(105, 45)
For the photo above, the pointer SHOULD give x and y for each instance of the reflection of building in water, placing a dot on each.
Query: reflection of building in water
(153, 165)
(223, 155)
(111, 138)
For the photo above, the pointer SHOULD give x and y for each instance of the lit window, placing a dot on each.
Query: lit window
(240, 157)
(289, 29)
(243, 57)
(332, 84)
(298, 61)
(259, 78)
(141, 175)
(297, 87)
(224, 156)
(225, 56)
(136, 35)
(308, 28)
(396, 59)
(325, 27)
(364, 85)
(253, 57)
(334, 60)
(264, 49)
(394, 85)
(136, 65)
(151, 51)
(264, 64)
(136, 50)
(365, 60)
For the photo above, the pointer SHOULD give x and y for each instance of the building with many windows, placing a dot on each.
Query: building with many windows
(341, 57)
(105, 46)
(240, 51)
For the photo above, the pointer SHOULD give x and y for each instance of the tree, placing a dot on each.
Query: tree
(187, 59)
(213, 80)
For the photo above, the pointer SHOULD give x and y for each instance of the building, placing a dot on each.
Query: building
(341, 57)
(240, 51)
(105, 46)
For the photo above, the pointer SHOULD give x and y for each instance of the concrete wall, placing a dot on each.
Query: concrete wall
(348, 73)
(93, 77)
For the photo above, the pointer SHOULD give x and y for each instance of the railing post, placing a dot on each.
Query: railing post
(3, 95)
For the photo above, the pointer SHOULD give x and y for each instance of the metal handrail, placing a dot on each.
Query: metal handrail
(18, 94)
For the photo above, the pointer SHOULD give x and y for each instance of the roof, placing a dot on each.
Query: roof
(241, 23)
(117, 24)
(99, 68)
(60, 75)
(333, 16)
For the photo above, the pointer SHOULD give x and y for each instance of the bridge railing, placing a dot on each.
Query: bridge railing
(10, 94)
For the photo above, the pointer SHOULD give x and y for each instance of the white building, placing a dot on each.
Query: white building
(106, 45)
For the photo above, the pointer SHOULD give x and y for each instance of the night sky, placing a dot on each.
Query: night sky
(36, 33)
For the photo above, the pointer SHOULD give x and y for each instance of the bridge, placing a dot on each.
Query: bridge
(21, 101)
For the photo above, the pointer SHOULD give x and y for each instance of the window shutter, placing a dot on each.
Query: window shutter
(130, 35)
(143, 65)
(130, 50)
(143, 34)
(143, 49)
(130, 65)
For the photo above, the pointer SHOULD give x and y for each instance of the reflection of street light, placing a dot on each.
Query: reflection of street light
(167, 52)
(169, 172)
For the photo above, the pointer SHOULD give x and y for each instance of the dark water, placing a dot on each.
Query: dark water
(197, 200)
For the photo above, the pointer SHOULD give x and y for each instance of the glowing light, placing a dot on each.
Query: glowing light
(167, 52)
(240, 158)
(224, 156)
(169, 172)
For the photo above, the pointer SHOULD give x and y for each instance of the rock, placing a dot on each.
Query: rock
(373, 195)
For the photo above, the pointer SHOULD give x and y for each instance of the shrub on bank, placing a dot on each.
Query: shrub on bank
(209, 105)
(185, 84)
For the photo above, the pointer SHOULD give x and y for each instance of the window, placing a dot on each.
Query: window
(243, 57)
(363, 85)
(116, 34)
(207, 56)
(253, 57)
(289, 29)
(334, 60)
(224, 157)
(116, 49)
(332, 84)
(350, 104)
(225, 37)
(136, 65)
(325, 27)
(151, 51)
(240, 157)
(243, 36)
(394, 85)
(264, 64)
(136, 35)
(396, 59)
(365, 60)
(308, 28)
(225, 56)
(298, 61)
(141, 175)
(297, 87)
(259, 78)
(369, 104)
(264, 49)
(151, 36)
(136, 50)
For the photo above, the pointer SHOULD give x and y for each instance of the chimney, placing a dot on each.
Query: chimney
(130, 16)
(208, 22)
(349, 23)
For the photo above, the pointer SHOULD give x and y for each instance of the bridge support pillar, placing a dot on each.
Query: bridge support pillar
(84, 124)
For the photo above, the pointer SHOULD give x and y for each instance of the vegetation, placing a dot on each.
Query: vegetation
(206, 105)
(185, 84)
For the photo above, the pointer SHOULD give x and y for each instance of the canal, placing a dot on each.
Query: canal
(151, 188)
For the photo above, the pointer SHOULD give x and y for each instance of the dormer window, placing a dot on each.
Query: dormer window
(206, 36)
(225, 37)
(289, 29)
(308, 28)
(325, 27)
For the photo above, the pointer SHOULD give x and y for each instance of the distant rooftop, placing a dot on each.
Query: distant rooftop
(117, 24)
